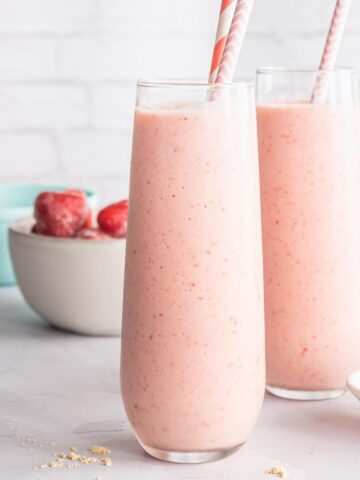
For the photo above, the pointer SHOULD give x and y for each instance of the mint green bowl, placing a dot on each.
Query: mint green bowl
(17, 201)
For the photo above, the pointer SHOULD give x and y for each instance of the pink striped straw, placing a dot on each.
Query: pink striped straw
(234, 41)
(331, 49)
(226, 15)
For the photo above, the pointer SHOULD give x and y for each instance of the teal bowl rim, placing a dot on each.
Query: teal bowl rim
(7, 213)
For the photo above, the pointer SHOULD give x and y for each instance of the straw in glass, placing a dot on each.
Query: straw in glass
(331, 49)
(226, 15)
(234, 41)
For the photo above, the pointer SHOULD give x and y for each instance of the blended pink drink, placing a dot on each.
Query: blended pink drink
(310, 171)
(193, 341)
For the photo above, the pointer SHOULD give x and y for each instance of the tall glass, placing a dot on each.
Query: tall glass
(310, 188)
(192, 371)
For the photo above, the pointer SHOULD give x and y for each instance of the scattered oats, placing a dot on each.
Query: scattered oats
(31, 449)
(278, 471)
(99, 450)
(52, 444)
(73, 459)
(89, 460)
(72, 456)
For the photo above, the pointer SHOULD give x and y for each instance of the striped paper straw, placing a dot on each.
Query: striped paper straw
(331, 49)
(234, 41)
(226, 15)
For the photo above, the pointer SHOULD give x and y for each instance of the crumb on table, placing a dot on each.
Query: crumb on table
(99, 450)
(73, 459)
(278, 471)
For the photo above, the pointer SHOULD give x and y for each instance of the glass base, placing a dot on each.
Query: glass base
(304, 394)
(190, 457)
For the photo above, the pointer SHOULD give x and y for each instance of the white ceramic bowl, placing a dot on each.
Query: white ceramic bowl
(353, 383)
(74, 284)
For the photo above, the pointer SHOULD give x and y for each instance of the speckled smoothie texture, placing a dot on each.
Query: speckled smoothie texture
(309, 164)
(193, 372)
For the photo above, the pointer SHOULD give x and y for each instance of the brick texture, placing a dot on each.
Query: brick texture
(68, 70)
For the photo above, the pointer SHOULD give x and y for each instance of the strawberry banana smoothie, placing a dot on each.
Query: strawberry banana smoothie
(192, 343)
(309, 164)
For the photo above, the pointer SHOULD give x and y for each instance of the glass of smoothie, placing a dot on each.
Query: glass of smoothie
(310, 189)
(192, 366)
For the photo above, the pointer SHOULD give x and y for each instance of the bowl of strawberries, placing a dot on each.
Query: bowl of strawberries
(70, 266)
(17, 201)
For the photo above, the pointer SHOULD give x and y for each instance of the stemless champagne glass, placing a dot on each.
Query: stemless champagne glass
(192, 370)
(310, 188)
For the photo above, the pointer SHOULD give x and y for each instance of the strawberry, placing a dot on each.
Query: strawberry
(113, 219)
(88, 223)
(60, 214)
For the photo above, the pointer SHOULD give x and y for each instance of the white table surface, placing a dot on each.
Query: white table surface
(63, 388)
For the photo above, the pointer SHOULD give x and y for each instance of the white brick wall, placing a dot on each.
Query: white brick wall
(57, 105)
(68, 70)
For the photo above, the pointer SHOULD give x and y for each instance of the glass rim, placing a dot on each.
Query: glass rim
(191, 83)
(271, 70)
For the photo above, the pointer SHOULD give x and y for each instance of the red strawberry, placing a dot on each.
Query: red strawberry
(88, 218)
(92, 234)
(88, 223)
(113, 219)
(60, 214)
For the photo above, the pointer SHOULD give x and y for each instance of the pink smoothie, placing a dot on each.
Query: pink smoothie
(309, 165)
(192, 342)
